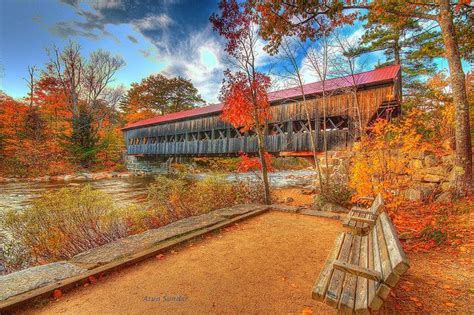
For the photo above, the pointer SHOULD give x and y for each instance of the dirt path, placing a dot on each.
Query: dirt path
(265, 265)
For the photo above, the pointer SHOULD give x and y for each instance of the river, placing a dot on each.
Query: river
(17, 195)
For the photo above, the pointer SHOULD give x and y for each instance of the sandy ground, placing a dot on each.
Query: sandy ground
(293, 196)
(266, 265)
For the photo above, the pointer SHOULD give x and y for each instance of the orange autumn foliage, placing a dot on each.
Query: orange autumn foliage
(381, 160)
(427, 226)
(34, 133)
(248, 163)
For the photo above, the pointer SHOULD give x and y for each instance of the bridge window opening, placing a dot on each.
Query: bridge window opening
(191, 136)
(234, 133)
(153, 140)
(220, 134)
(137, 140)
(251, 133)
(336, 123)
(130, 141)
(182, 137)
(277, 129)
(302, 126)
(206, 135)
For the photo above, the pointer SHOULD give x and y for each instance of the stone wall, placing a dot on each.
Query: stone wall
(426, 176)
(146, 165)
(431, 177)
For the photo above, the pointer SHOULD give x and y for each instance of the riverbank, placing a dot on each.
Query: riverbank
(80, 176)
(40, 281)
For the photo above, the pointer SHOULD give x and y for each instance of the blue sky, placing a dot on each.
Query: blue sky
(172, 37)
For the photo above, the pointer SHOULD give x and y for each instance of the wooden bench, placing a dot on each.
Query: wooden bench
(360, 220)
(361, 270)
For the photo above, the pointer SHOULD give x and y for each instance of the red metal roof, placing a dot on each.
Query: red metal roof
(373, 77)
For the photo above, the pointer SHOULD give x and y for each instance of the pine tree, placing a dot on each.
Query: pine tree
(406, 43)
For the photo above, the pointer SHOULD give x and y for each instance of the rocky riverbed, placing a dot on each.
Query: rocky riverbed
(124, 188)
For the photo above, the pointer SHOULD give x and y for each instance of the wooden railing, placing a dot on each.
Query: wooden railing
(232, 146)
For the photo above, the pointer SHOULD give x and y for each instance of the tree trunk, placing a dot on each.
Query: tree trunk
(261, 153)
(458, 85)
(313, 141)
(396, 52)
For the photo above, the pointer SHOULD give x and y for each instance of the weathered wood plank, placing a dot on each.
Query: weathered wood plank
(333, 293)
(361, 305)
(321, 285)
(349, 287)
(397, 256)
(389, 277)
(374, 301)
(382, 289)
(357, 270)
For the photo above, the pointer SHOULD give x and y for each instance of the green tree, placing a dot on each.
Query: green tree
(86, 84)
(160, 95)
(404, 42)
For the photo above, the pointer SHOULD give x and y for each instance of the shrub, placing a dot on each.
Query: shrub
(290, 163)
(217, 164)
(336, 189)
(171, 199)
(248, 192)
(65, 222)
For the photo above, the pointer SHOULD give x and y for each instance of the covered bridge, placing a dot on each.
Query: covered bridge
(201, 132)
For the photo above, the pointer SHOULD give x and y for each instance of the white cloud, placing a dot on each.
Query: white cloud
(152, 22)
(199, 58)
(106, 4)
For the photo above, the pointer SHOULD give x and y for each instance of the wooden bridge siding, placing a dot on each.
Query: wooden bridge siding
(274, 144)
(283, 113)
(337, 105)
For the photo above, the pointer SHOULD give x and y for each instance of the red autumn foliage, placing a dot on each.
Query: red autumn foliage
(248, 163)
(57, 294)
(237, 95)
(428, 226)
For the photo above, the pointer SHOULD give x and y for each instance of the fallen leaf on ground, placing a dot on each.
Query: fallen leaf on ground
(450, 304)
(414, 298)
(57, 294)
(160, 256)
(92, 280)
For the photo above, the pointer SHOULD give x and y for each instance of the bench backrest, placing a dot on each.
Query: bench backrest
(377, 204)
(389, 257)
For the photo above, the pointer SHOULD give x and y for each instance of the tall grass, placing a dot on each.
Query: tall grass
(63, 223)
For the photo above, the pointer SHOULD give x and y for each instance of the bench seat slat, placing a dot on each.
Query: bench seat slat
(361, 306)
(320, 287)
(382, 290)
(333, 293)
(347, 300)
(374, 301)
